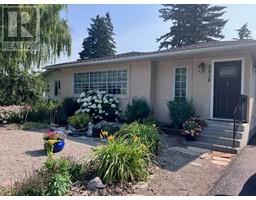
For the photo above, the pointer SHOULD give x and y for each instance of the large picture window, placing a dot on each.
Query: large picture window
(113, 82)
(180, 83)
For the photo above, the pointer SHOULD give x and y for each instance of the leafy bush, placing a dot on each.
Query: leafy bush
(180, 111)
(59, 184)
(34, 184)
(66, 109)
(79, 120)
(33, 125)
(120, 161)
(148, 134)
(99, 105)
(43, 111)
(137, 111)
(13, 114)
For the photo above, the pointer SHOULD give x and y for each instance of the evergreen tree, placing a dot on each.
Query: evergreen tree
(244, 33)
(191, 23)
(100, 41)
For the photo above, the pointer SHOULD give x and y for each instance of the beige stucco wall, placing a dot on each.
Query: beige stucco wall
(155, 82)
(139, 80)
(199, 84)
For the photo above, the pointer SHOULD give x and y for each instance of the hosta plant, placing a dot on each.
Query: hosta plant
(99, 105)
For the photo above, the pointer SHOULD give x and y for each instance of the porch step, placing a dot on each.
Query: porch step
(221, 133)
(220, 125)
(218, 139)
(218, 135)
(212, 146)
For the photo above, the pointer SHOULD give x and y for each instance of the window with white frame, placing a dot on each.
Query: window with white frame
(114, 81)
(180, 83)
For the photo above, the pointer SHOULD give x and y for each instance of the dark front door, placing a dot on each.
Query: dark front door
(227, 88)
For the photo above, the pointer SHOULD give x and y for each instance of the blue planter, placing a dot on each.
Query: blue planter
(58, 146)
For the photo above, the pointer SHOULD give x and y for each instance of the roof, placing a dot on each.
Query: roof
(129, 56)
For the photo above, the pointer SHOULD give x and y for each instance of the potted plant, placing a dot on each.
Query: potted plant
(54, 142)
(191, 129)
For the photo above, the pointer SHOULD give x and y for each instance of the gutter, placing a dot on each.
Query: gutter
(154, 55)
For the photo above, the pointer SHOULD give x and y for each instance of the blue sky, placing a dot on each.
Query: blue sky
(136, 27)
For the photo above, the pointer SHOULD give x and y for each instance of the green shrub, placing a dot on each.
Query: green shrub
(59, 184)
(67, 108)
(79, 120)
(42, 111)
(137, 111)
(148, 134)
(33, 125)
(121, 161)
(180, 111)
(34, 184)
(54, 178)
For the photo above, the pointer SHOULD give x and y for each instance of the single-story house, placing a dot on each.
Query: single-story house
(214, 75)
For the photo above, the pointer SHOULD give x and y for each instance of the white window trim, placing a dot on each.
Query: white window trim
(174, 75)
(212, 78)
(121, 96)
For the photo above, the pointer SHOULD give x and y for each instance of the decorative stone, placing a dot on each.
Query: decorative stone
(221, 159)
(141, 185)
(95, 183)
(89, 131)
(151, 176)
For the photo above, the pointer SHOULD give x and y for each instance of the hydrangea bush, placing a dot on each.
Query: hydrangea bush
(99, 105)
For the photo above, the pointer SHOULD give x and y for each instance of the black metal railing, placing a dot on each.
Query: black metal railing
(240, 115)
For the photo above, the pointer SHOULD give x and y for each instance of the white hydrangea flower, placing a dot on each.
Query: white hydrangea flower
(84, 104)
(116, 112)
(113, 105)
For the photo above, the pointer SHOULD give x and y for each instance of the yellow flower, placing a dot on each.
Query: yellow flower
(135, 138)
(110, 138)
(143, 146)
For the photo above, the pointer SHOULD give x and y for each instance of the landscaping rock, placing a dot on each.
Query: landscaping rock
(141, 185)
(95, 183)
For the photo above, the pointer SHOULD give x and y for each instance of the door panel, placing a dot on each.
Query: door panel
(227, 88)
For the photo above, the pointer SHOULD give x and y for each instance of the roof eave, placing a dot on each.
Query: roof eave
(154, 56)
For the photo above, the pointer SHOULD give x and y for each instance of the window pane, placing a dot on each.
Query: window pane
(114, 82)
(180, 83)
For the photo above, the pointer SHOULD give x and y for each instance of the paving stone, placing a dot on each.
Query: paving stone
(196, 164)
(221, 159)
(205, 156)
(221, 163)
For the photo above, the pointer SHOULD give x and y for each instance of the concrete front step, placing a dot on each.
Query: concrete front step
(221, 133)
(218, 125)
(219, 140)
(212, 146)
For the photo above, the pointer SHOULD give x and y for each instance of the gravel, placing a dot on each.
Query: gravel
(22, 152)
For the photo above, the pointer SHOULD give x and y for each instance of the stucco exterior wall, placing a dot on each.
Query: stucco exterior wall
(198, 84)
(138, 83)
(155, 82)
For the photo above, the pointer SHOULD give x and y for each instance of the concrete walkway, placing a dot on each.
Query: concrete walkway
(240, 177)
